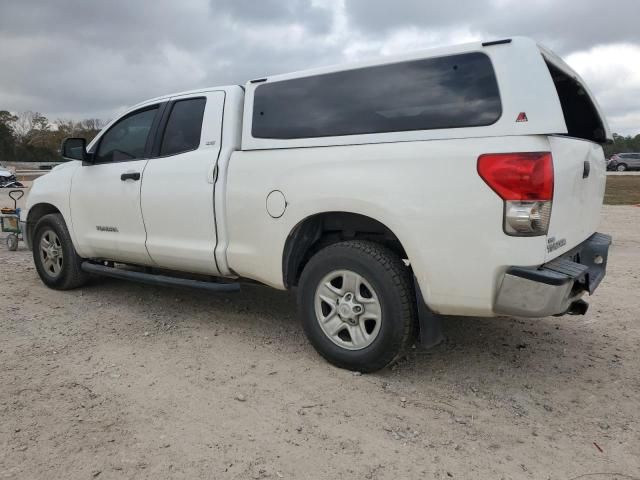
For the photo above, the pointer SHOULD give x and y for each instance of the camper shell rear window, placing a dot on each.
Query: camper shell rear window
(580, 114)
(446, 92)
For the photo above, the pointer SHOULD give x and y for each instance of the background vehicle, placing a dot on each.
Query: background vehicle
(8, 179)
(383, 191)
(624, 161)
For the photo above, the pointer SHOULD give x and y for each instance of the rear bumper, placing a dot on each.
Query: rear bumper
(555, 287)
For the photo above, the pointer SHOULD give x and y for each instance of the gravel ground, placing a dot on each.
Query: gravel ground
(119, 380)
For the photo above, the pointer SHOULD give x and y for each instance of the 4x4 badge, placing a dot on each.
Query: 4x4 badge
(522, 117)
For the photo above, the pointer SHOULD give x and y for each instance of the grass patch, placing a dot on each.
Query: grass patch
(622, 190)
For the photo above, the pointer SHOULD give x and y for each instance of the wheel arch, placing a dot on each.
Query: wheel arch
(319, 230)
(36, 212)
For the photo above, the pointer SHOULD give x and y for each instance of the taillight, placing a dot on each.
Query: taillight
(525, 182)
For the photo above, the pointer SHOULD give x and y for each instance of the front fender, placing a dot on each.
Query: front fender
(52, 189)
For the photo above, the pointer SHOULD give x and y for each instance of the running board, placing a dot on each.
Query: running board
(162, 280)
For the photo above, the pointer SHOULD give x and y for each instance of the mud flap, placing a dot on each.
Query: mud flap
(430, 324)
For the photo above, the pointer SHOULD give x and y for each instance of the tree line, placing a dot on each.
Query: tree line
(622, 144)
(32, 137)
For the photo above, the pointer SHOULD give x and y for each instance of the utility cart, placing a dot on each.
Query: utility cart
(10, 221)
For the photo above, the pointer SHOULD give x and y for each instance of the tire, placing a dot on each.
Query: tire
(12, 242)
(59, 265)
(621, 167)
(384, 297)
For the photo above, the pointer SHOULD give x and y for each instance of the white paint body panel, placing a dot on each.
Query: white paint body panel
(577, 201)
(54, 189)
(427, 193)
(100, 199)
(177, 198)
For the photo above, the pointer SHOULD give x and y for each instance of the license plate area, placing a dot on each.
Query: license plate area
(586, 263)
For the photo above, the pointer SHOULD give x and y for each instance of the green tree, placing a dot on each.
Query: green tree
(31, 137)
(30, 128)
(622, 144)
(7, 137)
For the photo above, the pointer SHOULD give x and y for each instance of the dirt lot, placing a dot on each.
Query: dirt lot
(119, 380)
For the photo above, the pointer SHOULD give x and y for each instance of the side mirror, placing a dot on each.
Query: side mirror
(74, 149)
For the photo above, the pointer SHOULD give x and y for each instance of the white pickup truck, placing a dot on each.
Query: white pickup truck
(461, 181)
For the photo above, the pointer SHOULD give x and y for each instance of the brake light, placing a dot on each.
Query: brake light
(518, 176)
(525, 182)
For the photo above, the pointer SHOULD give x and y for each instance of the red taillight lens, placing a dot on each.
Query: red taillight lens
(518, 176)
(525, 182)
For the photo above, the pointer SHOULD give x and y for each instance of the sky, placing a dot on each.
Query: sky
(93, 58)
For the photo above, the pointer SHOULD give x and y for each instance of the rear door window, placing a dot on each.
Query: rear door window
(447, 92)
(182, 133)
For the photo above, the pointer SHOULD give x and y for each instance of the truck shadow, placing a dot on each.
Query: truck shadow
(496, 342)
(475, 348)
(483, 347)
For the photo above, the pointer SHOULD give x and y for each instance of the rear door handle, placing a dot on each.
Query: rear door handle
(586, 169)
(130, 176)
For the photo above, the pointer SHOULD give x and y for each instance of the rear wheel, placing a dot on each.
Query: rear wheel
(357, 305)
(55, 258)
(12, 242)
(621, 167)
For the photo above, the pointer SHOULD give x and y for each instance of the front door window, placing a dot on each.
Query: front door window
(127, 139)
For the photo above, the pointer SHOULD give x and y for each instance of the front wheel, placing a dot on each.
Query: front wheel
(56, 260)
(357, 305)
(621, 167)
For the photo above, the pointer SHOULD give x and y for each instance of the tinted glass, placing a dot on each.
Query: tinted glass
(127, 139)
(580, 114)
(447, 92)
(182, 132)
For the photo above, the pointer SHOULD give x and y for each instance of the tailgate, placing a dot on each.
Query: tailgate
(578, 161)
(579, 183)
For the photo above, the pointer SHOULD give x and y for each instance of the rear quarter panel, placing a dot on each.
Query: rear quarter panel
(428, 193)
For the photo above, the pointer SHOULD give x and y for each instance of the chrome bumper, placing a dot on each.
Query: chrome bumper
(555, 287)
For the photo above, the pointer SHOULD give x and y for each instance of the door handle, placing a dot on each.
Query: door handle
(130, 176)
(586, 169)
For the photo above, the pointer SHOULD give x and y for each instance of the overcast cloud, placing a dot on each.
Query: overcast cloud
(84, 58)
